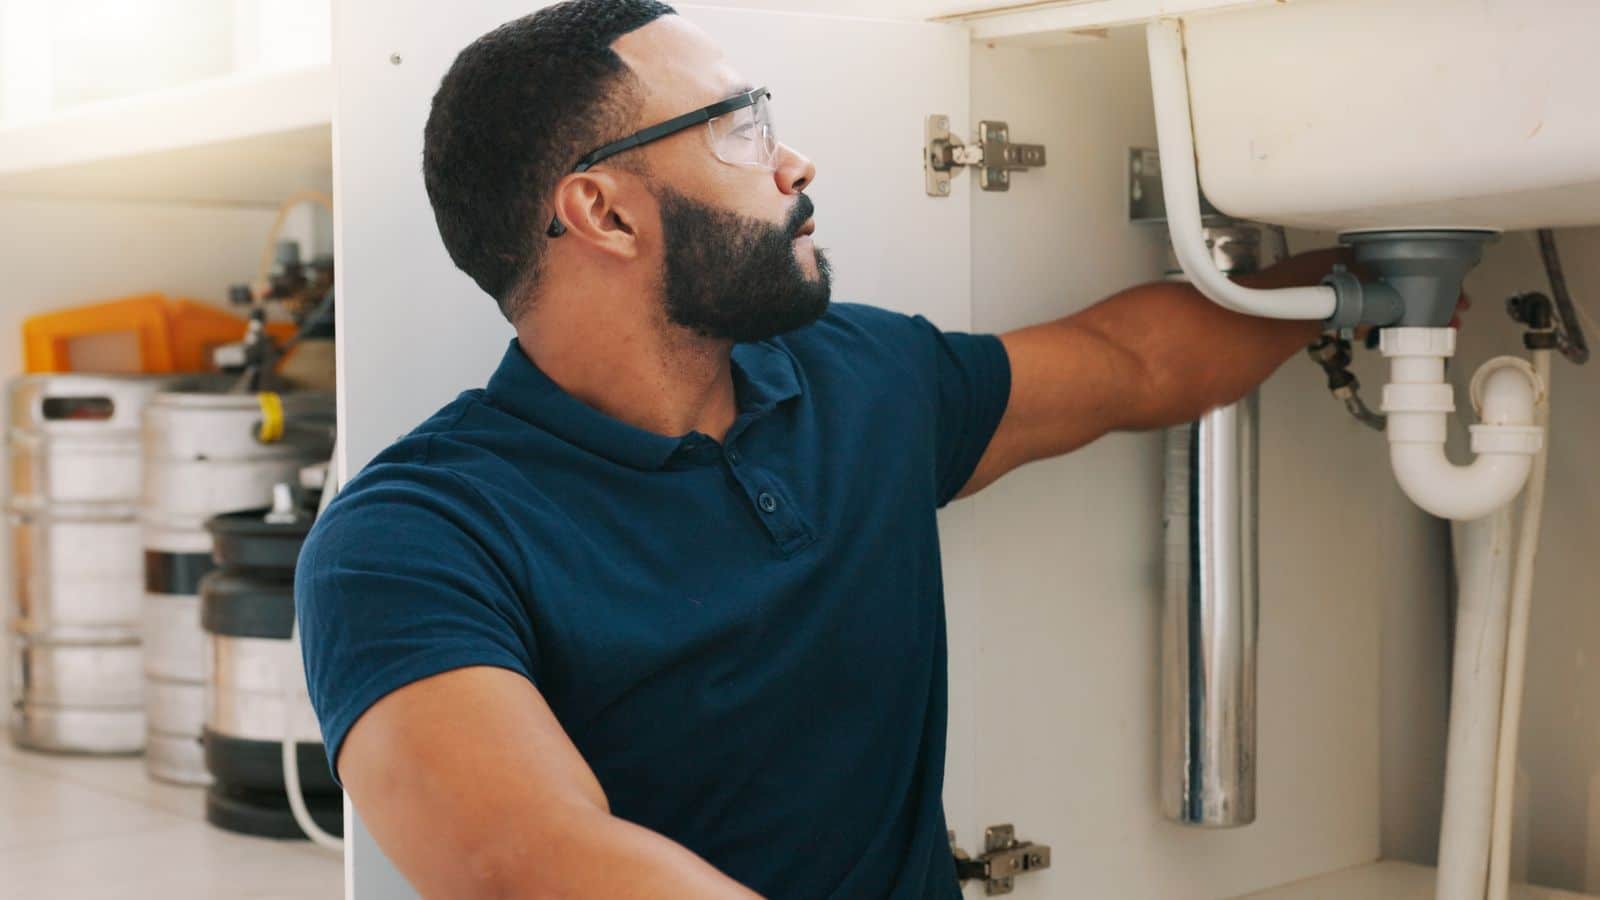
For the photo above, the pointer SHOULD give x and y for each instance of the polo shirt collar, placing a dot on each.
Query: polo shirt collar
(764, 376)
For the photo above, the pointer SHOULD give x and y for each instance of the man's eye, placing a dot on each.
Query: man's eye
(744, 132)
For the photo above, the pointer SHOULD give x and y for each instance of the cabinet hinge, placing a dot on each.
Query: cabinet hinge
(1004, 858)
(993, 155)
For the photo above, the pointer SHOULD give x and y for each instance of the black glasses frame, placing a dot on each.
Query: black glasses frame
(657, 132)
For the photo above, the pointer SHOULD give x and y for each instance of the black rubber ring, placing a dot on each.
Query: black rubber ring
(247, 605)
(251, 765)
(268, 815)
(175, 573)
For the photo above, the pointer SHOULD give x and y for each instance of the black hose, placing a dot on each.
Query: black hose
(1573, 345)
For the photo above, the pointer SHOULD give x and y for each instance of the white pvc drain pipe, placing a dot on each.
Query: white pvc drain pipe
(1169, 82)
(1517, 651)
(1418, 401)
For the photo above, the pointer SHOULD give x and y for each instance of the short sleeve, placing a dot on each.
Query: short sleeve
(402, 578)
(972, 375)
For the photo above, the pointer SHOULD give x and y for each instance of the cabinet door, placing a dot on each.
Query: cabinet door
(850, 93)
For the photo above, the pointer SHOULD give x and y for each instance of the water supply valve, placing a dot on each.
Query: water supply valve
(1332, 354)
(1537, 312)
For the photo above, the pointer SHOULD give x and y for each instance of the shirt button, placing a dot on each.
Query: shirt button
(767, 502)
(733, 456)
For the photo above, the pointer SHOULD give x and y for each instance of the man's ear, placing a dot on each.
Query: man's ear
(589, 205)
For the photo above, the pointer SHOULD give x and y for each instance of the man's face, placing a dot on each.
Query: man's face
(737, 259)
(738, 278)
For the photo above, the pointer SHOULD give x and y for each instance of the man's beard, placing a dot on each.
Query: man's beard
(733, 277)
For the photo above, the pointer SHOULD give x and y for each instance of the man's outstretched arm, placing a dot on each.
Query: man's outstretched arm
(472, 788)
(1155, 355)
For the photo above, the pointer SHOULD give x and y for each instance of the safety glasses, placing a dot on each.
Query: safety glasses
(740, 129)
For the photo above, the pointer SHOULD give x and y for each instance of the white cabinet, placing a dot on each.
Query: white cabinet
(245, 140)
(1053, 574)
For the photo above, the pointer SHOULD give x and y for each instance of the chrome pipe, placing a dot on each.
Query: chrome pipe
(1208, 734)
(1208, 683)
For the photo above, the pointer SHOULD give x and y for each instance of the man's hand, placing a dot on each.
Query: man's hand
(1155, 355)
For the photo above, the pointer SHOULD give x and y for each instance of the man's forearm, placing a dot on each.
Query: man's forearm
(599, 855)
(1155, 355)
(1196, 355)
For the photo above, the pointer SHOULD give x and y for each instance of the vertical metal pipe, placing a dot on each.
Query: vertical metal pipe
(1209, 642)
(1208, 733)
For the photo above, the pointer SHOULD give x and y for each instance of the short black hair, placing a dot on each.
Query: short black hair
(516, 111)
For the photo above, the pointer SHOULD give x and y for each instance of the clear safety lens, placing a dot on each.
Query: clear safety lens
(745, 137)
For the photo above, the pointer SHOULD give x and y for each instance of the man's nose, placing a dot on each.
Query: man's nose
(795, 172)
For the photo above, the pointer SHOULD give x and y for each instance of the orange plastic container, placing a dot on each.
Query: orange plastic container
(171, 335)
(47, 339)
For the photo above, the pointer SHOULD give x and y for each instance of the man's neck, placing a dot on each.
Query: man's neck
(650, 374)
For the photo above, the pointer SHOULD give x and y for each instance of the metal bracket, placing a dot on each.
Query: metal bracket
(1146, 202)
(1004, 858)
(994, 156)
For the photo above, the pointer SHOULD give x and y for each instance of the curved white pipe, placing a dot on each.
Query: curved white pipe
(291, 768)
(1180, 188)
(1456, 492)
(1418, 402)
(1517, 651)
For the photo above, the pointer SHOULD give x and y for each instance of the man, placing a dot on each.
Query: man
(658, 613)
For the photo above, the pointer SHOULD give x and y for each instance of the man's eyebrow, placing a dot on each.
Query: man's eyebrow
(744, 88)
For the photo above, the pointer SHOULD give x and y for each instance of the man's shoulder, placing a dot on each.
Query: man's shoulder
(855, 338)
(445, 462)
(457, 426)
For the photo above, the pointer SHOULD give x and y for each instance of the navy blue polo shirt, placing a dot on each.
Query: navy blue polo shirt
(745, 640)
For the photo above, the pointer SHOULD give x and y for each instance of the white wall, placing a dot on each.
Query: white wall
(1070, 563)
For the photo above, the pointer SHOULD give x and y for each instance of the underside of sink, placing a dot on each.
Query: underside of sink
(1343, 114)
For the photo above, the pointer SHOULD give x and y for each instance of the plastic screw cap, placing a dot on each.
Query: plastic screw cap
(1418, 398)
(1519, 440)
(1436, 342)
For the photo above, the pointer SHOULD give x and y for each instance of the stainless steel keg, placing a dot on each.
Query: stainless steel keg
(73, 447)
(257, 696)
(202, 457)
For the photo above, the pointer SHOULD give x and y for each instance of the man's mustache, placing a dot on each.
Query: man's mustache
(802, 210)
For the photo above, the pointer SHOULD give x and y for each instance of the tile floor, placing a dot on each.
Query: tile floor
(82, 827)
